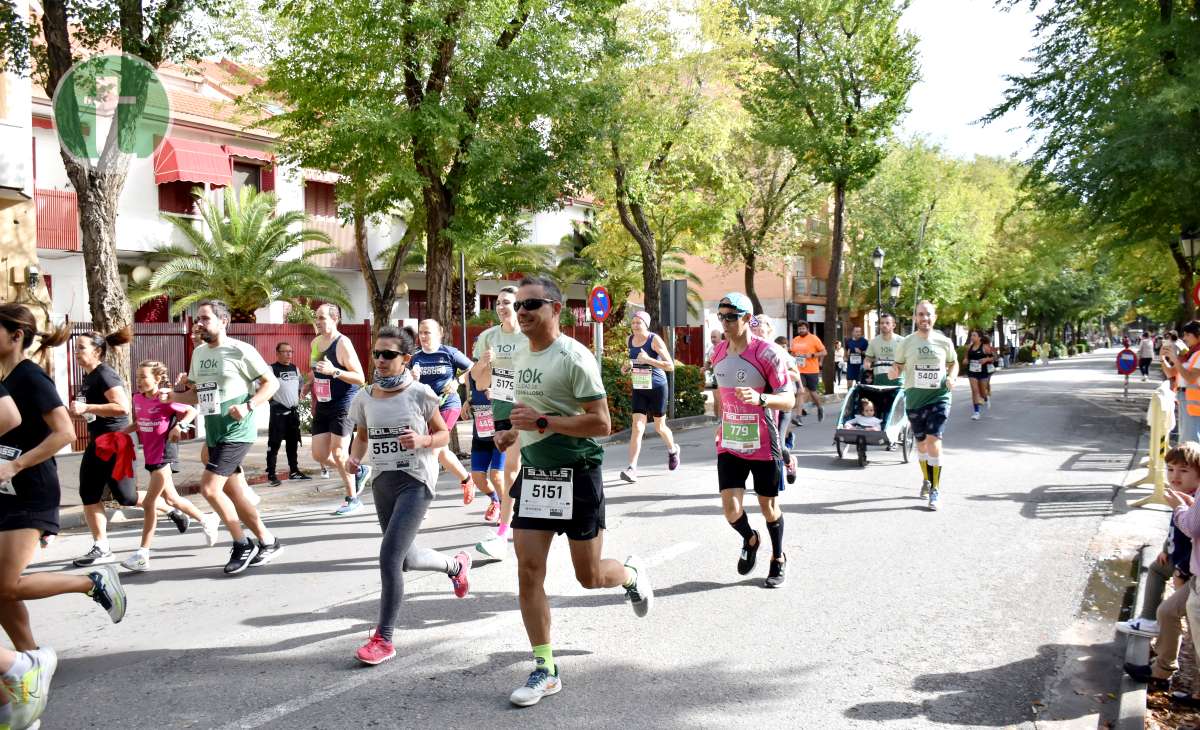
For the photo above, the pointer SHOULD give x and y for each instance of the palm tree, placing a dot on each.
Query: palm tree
(235, 255)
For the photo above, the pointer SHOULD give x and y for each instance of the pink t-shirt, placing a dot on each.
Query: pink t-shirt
(153, 418)
(750, 431)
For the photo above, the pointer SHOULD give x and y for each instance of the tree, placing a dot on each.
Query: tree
(475, 111)
(150, 34)
(835, 78)
(247, 256)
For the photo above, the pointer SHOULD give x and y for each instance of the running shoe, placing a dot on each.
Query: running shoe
(540, 684)
(673, 459)
(299, 476)
(925, 487)
(108, 592)
(324, 472)
(933, 500)
(349, 507)
(462, 582)
(273, 481)
(362, 477)
(975, 416)
(182, 521)
(138, 562)
(210, 523)
(791, 469)
(775, 576)
(468, 490)
(640, 594)
(267, 553)
(377, 650)
(240, 557)
(495, 548)
(31, 691)
(987, 403)
(1139, 627)
(796, 421)
(820, 414)
(492, 515)
(789, 442)
(749, 555)
(95, 556)
(630, 474)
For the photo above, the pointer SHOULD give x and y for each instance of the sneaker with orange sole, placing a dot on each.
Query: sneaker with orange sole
(461, 582)
(468, 488)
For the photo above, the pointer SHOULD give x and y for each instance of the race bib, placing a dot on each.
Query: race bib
(386, 452)
(800, 360)
(642, 378)
(739, 431)
(8, 453)
(322, 389)
(502, 386)
(883, 369)
(929, 378)
(975, 366)
(208, 399)
(856, 359)
(547, 494)
(485, 423)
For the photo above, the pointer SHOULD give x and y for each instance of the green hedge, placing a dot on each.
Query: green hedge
(1025, 354)
(689, 391)
(962, 352)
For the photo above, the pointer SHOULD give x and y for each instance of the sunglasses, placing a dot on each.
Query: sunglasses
(386, 354)
(531, 305)
(729, 316)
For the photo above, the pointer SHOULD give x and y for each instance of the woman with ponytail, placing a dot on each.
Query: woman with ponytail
(29, 491)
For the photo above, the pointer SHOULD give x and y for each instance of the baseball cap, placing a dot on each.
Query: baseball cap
(738, 301)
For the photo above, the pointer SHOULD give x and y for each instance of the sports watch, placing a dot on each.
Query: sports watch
(542, 424)
(762, 400)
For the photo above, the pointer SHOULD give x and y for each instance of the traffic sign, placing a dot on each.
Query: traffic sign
(1127, 361)
(599, 303)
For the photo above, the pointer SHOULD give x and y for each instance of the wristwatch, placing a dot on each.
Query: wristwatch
(762, 400)
(542, 424)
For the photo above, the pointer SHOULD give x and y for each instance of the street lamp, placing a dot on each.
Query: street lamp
(877, 262)
(894, 291)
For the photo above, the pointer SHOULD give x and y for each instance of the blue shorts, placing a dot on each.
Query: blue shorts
(929, 420)
(485, 456)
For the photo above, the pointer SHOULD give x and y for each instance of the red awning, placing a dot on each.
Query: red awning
(185, 159)
(247, 153)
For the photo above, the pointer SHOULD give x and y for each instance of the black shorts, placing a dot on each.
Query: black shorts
(45, 521)
(332, 418)
(652, 402)
(810, 381)
(587, 508)
(225, 459)
(929, 420)
(95, 474)
(732, 472)
(170, 458)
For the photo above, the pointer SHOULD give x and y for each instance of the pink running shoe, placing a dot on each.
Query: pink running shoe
(492, 516)
(377, 650)
(461, 582)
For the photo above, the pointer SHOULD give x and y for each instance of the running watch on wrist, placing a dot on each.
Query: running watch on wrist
(762, 400)
(542, 424)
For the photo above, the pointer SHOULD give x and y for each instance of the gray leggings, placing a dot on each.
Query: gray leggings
(401, 502)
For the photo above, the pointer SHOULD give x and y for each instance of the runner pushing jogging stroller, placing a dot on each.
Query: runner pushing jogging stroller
(873, 415)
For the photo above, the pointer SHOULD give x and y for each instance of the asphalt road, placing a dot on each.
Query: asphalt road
(891, 615)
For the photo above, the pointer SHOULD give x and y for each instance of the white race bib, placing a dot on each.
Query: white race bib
(739, 432)
(856, 359)
(8, 453)
(322, 389)
(208, 399)
(800, 360)
(547, 494)
(643, 379)
(883, 369)
(975, 366)
(387, 454)
(503, 386)
(929, 378)
(485, 423)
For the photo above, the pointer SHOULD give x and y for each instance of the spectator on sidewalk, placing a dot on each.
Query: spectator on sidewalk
(839, 363)
(1185, 371)
(1159, 618)
(284, 425)
(1145, 355)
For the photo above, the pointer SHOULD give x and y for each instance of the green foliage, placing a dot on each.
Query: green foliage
(567, 318)
(1026, 354)
(619, 387)
(304, 409)
(962, 352)
(689, 391)
(301, 314)
(1059, 351)
(485, 318)
(237, 255)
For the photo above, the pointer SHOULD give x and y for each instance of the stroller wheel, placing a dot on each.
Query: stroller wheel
(862, 452)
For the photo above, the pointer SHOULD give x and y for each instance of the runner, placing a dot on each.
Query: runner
(487, 462)
(649, 361)
(761, 325)
(809, 352)
(881, 352)
(856, 350)
(439, 366)
(25, 686)
(989, 369)
(923, 358)
(159, 423)
(493, 372)
(336, 377)
(397, 418)
(977, 360)
(219, 380)
(285, 415)
(560, 410)
(29, 491)
(752, 376)
(107, 461)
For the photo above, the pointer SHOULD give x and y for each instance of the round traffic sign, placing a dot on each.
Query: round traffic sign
(599, 303)
(1127, 361)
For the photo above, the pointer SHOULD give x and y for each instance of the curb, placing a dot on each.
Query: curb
(1131, 710)
(686, 423)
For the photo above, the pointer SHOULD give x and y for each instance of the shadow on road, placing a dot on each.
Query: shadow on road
(1059, 500)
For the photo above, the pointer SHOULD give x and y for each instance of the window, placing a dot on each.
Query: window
(245, 174)
(177, 197)
(319, 199)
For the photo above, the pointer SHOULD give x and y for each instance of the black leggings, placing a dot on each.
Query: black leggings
(1144, 366)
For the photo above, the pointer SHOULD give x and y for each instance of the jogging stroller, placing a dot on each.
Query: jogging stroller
(889, 408)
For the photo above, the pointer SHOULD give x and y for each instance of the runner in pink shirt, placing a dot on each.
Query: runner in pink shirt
(751, 378)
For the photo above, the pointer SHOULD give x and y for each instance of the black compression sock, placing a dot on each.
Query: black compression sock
(742, 525)
(775, 530)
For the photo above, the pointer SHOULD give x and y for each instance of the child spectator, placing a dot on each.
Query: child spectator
(865, 419)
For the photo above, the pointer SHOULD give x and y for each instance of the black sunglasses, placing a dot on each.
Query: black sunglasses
(728, 316)
(530, 305)
(386, 354)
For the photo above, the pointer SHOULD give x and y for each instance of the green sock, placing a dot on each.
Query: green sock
(935, 475)
(543, 656)
(924, 469)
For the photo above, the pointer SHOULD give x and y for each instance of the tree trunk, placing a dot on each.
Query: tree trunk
(751, 261)
(1183, 269)
(439, 254)
(832, 282)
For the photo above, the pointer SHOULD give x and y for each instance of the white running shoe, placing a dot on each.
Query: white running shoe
(31, 691)
(138, 562)
(630, 474)
(975, 416)
(210, 523)
(1139, 627)
(640, 594)
(540, 684)
(494, 547)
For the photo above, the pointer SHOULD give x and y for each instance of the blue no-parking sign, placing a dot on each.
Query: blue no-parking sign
(599, 303)
(1127, 361)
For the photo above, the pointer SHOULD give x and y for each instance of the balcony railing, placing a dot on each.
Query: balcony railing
(342, 237)
(57, 220)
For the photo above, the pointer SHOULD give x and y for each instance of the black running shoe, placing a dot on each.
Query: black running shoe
(820, 414)
(180, 519)
(775, 576)
(299, 476)
(749, 555)
(266, 553)
(240, 556)
(273, 481)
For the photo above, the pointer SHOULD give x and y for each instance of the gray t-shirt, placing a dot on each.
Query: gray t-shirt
(290, 382)
(386, 418)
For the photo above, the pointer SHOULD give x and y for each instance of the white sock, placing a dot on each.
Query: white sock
(922, 457)
(934, 461)
(103, 545)
(20, 665)
(142, 552)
